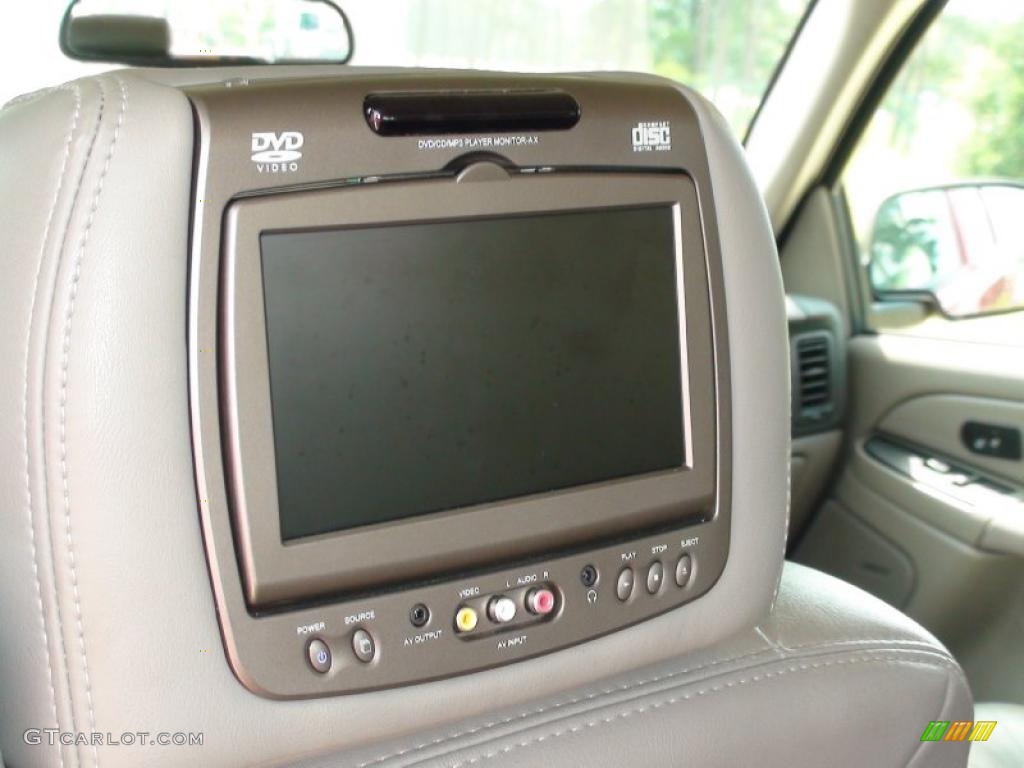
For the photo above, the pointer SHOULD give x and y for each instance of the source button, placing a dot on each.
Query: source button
(363, 645)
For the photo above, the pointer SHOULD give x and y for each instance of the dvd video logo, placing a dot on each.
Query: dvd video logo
(652, 137)
(277, 152)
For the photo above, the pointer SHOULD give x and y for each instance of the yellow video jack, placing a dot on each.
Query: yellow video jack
(466, 619)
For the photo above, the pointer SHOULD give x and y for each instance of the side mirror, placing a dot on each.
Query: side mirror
(960, 245)
(198, 33)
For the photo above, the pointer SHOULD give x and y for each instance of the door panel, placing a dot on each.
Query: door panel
(894, 382)
(889, 369)
(952, 564)
(919, 515)
(937, 421)
(846, 546)
(810, 468)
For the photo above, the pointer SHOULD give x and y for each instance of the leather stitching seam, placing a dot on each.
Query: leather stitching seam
(66, 349)
(75, 197)
(892, 661)
(77, 96)
(33, 96)
(642, 682)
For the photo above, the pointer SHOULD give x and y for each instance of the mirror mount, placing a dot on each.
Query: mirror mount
(94, 38)
(145, 41)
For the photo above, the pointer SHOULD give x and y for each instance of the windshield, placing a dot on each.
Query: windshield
(726, 49)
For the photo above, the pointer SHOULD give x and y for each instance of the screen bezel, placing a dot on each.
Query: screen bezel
(459, 540)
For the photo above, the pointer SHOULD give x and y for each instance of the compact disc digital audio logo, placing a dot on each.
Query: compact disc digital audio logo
(277, 152)
(652, 136)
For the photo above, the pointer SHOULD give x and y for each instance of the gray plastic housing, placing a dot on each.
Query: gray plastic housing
(325, 170)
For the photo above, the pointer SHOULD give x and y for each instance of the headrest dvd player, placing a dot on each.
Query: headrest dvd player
(458, 369)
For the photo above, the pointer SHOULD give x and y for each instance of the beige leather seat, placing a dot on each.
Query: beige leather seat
(833, 677)
(108, 618)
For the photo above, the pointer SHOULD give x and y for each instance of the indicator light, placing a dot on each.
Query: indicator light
(540, 601)
(465, 619)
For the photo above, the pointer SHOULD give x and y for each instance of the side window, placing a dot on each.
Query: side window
(935, 186)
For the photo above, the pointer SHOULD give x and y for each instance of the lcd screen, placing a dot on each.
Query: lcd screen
(431, 366)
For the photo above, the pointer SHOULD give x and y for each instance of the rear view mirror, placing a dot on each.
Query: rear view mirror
(196, 33)
(960, 244)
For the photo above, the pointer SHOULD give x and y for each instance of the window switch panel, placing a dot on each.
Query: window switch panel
(991, 440)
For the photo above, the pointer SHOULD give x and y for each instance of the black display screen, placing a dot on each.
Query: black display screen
(425, 367)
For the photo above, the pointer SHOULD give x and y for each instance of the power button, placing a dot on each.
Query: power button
(319, 656)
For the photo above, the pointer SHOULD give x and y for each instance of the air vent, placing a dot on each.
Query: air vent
(813, 377)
